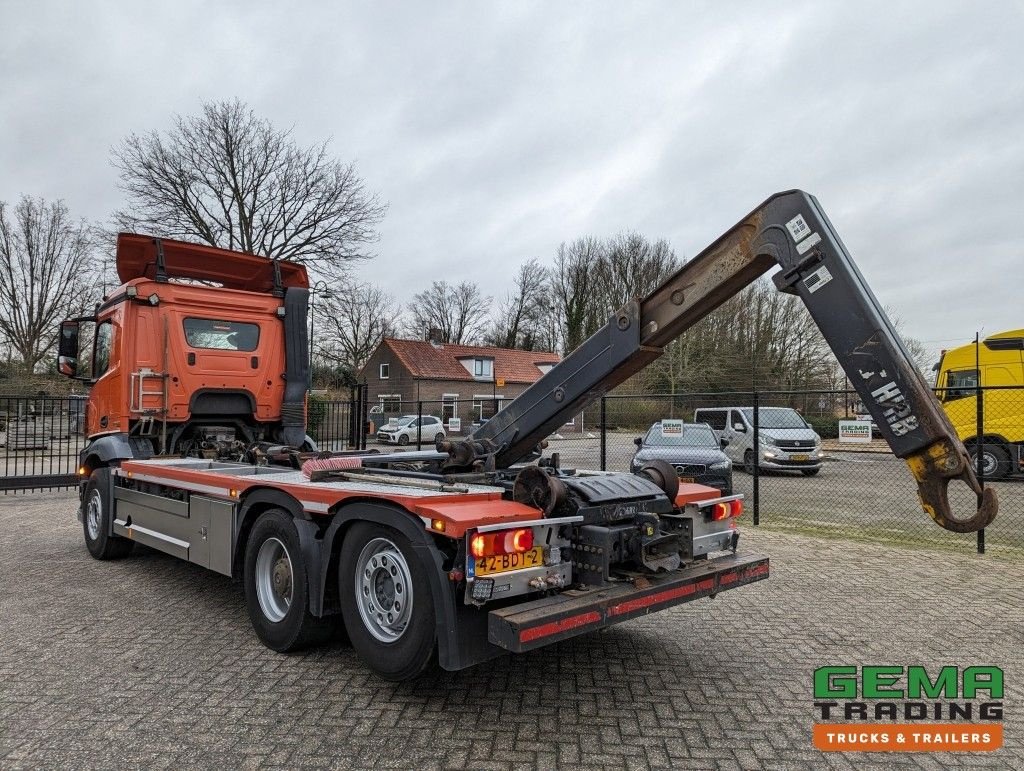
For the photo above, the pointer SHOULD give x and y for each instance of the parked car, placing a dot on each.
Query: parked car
(785, 441)
(695, 453)
(429, 428)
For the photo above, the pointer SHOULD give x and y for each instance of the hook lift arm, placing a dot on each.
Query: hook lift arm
(790, 230)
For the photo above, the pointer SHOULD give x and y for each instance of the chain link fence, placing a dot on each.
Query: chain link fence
(857, 489)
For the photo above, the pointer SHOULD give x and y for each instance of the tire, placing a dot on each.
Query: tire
(995, 460)
(809, 472)
(96, 519)
(276, 587)
(381, 572)
(439, 437)
(748, 462)
(403, 439)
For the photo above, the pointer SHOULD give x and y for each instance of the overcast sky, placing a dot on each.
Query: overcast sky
(495, 131)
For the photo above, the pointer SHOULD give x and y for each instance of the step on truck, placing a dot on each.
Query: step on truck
(474, 548)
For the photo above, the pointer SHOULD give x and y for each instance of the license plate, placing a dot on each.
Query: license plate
(685, 479)
(799, 457)
(501, 563)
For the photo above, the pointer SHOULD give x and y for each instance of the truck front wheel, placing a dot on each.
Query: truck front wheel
(97, 511)
(276, 590)
(386, 601)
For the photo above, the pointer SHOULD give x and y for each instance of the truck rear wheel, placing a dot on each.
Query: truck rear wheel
(386, 601)
(995, 460)
(276, 589)
(97, 511)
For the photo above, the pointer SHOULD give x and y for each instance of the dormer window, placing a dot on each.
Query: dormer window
(483, 368)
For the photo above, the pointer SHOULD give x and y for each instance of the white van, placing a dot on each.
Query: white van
(786, 443)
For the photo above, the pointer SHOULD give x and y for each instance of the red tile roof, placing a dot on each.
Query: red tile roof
(426, 360)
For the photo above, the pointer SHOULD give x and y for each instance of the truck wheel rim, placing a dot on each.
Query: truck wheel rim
(274, 579)
(93, 514)
(988, 463)
(383, 590)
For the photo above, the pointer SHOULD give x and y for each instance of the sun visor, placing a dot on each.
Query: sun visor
(138, 256)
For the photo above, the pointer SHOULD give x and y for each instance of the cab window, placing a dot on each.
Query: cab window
(101, 348)
(221, 335)
(960, 383)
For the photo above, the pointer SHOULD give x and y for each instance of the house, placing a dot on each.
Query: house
(468, 382)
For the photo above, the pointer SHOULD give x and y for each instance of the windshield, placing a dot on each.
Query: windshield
(404, 421)
(692, 436)
(776, 417)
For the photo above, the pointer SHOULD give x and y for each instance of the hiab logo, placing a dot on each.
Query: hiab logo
(913, 700)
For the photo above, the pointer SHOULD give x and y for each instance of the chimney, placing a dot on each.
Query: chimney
(435, 337)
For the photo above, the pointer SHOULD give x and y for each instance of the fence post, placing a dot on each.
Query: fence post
(979, 440)
(419, 425)
(604, 433)
(756, 450)
(364, 413)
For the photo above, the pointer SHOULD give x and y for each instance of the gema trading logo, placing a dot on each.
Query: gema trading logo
(895, 709)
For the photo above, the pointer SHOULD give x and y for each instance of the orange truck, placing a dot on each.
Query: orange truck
(471, 549)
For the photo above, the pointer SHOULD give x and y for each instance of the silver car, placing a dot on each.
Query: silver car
(785, 441)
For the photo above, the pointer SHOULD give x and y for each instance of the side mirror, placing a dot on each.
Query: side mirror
(639, 442)
(739, 427)
(67, 349)
(724, 443)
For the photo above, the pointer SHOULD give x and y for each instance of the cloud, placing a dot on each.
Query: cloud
(497, 131)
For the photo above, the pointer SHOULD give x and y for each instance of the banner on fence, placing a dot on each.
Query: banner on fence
(455, 425)
(855, 431)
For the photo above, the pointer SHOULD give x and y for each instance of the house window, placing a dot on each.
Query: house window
(390, 403)
(486, 405)
(385, 371)
(483, 368)
(449, 407)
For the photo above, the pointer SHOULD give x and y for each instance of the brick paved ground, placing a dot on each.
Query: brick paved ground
(150, 662)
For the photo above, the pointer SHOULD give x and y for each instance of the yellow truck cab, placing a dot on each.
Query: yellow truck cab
(997, 365)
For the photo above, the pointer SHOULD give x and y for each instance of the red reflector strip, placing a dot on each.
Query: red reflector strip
(669, 594)
(562, 625)
(731, 578)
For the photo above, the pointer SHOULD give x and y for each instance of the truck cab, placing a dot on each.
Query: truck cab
(180, 361)
(996, 364)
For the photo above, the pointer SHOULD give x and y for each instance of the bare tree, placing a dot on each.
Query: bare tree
(631, 267)
(591, 279)
(520, 319)
(47, 273)
(228, 178)
(459, 312)
(573, 287)
(352, 321)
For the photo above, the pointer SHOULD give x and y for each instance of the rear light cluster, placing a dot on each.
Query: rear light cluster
(727, 509)
(502, 542)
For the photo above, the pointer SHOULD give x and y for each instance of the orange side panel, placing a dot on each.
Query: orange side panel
(690, 492)
(460, 516)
